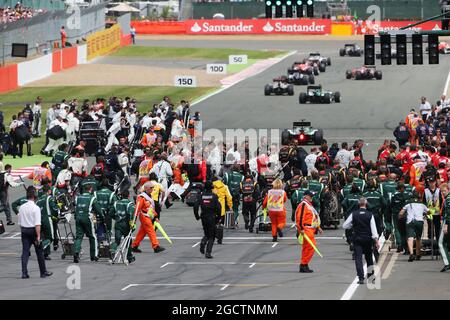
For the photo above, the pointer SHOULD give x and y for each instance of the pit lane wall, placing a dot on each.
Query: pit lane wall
(275, 26)
(100, 43)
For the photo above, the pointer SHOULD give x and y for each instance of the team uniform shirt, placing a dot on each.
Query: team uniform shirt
(63, 178)
(344, 156)
(415, 211)
(310, 161)
(29, 215)
(78, 165)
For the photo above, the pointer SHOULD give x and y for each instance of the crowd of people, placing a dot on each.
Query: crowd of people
(164, 151)
(18, 12)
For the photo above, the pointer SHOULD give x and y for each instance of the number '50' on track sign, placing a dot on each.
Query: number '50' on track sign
(185, 81)
(237, 59)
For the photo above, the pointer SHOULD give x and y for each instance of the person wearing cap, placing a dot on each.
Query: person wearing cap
(434, 203)
(211, 209)
(308, 223)
(145, 209)
(415, 210)
(365, 237)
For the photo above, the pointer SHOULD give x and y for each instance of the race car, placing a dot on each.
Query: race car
(364, 73)
(444, 48)
(303, 133)
(280, 86)
(315, 94)
(393, 54)
(305, 68)
(351, 50)
(317, 58)
(299, 78)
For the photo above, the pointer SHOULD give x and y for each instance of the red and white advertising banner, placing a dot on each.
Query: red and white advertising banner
(259, 26)
(367, 27)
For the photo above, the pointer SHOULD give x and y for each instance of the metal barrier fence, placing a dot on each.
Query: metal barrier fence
(42, 31)
(389, 9)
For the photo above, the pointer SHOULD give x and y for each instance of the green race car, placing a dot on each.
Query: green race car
(315, 94)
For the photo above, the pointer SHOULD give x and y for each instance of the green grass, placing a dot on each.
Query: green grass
(235, 68)
(191, 53)
(15, 101)
(25, 161)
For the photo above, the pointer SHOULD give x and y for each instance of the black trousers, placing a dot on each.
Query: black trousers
(436, 223)
(249, 213)
(5, 203)
(445, 24)
(209, 230)
(28, 239)
(360, 248)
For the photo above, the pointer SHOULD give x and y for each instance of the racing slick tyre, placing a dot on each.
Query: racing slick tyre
(378, 75)
(285, 137)
(309, 71)
(304, 80)
(358, 53)
(290, 90)
(290, 71)
(322, 67)
(342, 52)
(328, 61)
(316, 71)
(268, 90)
(348, 74)
(302, 98)
(337, 96)
(327, 98)
(318, 137)
(358, 75)
(311, 79)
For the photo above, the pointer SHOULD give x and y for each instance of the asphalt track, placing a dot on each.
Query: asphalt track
(247, 266)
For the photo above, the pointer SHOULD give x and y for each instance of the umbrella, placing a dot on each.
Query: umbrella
(123, 7)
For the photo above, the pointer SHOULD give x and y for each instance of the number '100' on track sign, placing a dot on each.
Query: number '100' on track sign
(185, 81)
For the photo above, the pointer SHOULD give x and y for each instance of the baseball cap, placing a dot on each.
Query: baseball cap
(309, 193)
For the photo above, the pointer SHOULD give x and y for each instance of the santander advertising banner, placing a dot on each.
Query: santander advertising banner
(368, 27)
(259, 26)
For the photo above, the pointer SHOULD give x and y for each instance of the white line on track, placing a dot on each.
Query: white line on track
(224, 287)
(252, 265)
(354, 285)
(447, 84)
(16, 237)
(164, 265)
(223, 88)
(196, 244)
(275, 244)
(388, 270)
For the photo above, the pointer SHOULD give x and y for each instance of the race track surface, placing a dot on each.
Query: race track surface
(249, 266)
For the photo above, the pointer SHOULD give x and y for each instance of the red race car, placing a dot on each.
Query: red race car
(305, 68)
(364, 73)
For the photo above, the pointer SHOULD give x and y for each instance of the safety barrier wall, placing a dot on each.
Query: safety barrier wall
(82, 54)
(159, 27)
(15, 75)
(35, 69)
(279, 26)
(103, 42)
(8, 78)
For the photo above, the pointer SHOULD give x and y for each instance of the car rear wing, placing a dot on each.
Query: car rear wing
(301, 124)
(350, 45)
(312, 54)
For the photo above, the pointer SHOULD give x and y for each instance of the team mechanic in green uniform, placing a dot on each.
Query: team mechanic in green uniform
(106, 199)
(58, 160)
(398, 201)
(350, 204)
(87, 211)
(376, 204)
(387, 189)
(233, 181)
(123, 211)
(49, 209)
(444, 236)
(89, 181)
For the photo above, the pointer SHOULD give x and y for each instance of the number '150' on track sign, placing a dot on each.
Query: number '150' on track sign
(185, 81)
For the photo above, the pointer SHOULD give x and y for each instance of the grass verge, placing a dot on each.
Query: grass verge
(191, 53)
